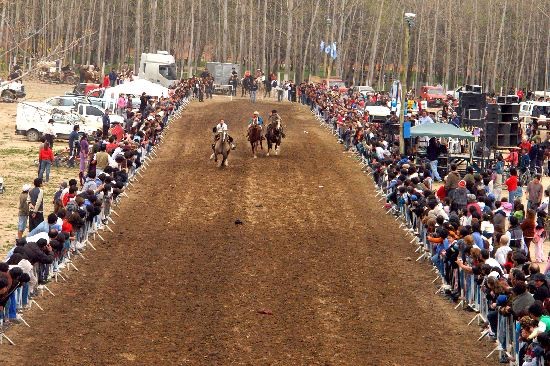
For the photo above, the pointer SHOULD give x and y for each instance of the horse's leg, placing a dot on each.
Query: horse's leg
(226, 159)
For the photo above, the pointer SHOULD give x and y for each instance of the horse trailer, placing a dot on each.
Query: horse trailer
(222, 72)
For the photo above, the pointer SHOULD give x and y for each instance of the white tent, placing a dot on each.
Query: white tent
(136, 87)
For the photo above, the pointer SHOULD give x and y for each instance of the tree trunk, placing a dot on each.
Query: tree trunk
(374, 46)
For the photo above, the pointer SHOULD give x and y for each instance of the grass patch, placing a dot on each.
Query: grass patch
(11, 151)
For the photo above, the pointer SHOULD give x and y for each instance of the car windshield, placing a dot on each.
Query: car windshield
(168, 71)
(332, 83)
(436, 91)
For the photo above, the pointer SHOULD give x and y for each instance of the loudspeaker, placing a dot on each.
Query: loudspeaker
(475, 114)
(473, 88)
(502, 124)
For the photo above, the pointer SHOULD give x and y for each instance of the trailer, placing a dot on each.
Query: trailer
(222, 72)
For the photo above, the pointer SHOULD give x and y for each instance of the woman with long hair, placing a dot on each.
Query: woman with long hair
(528, 227)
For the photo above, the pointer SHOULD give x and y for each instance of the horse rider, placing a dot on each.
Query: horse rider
(256, 120)
(221, 127)
(274, 118)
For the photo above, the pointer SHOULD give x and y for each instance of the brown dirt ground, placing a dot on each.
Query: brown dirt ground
(178, 283)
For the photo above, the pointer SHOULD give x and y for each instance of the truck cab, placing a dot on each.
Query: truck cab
(158, 68)
(435, 96)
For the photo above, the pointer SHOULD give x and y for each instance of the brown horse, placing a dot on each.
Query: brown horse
(255, 137)
(273, 136)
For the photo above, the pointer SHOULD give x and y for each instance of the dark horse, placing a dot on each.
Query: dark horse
(255, 138)
(273, 136)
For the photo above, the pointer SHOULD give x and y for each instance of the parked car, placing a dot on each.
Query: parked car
(364, 90)
(64, 103)
(332, 82)
(93, 115)
(435, 96)
(378, 113)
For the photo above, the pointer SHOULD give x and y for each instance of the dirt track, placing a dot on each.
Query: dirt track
(178, 283)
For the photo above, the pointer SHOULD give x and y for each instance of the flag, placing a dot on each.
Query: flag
(322, 46)
(333, 52)
(328, 49)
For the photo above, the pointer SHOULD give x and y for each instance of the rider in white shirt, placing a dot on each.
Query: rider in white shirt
(221, 127)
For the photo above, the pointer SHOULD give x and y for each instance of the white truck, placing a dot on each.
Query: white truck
(158, 68)
(31, 121)
(32, 118)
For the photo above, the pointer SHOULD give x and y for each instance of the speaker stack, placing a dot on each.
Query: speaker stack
(502, 125)
(471, 106)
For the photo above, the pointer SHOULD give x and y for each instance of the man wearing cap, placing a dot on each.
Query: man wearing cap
(49, 133)
(23, 210)
(256, 120)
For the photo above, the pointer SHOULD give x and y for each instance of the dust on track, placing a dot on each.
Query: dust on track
(178, 283)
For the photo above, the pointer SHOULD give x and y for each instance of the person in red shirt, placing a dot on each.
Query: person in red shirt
(68, 196)
(513, 157)
(512, 185)
(111, 145)
(106, 81)
(45, 156)
(117, 131)
(525, 144)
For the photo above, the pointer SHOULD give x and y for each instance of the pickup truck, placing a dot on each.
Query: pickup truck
(32, 118)
(93, 115)
(31, 121)
(435, 96)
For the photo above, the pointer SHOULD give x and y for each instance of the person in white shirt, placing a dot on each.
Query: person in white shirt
(221, 127)
(49, 133)
(425, 118)
(503, 250)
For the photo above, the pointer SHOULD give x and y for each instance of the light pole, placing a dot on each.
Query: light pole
(409, 19)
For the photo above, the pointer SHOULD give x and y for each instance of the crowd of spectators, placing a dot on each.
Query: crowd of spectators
(81, 206)
(470, 227)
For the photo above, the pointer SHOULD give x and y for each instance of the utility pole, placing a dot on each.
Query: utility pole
(409, 19)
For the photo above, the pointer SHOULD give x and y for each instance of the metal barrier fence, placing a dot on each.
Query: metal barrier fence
(471, 293)
(22, 297)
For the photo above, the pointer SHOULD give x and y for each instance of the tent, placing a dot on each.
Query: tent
(136, 87)
(440, 130)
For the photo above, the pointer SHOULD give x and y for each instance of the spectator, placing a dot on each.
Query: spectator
(35, 200)
(512, 184)
(49, 132)
(106, 124)
(534, 193)
(45, 156)
(74, 146)
(84, 150)
(23, 210)
(528, 229)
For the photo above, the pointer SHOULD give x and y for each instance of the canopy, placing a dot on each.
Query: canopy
(136, 87)
(440, 130)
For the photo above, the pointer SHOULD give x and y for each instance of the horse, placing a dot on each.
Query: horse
(273, 136)
(222, 147)
(255, 137)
